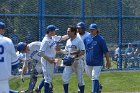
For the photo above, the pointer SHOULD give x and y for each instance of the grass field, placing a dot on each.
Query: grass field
(115, 82)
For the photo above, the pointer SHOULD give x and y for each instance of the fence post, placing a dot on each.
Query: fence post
(82, 10)
(41, 14)
(120, 32)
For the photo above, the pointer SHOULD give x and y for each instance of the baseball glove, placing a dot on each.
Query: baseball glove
(67, 61)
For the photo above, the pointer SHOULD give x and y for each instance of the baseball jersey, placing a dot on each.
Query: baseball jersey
(74, 45)
(34, 49)
(83, 36)
(95, 48)
(7, 57)
(48, 45)
(33, 53)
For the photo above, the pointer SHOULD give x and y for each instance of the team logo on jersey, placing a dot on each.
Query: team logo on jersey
(33, 53)
(52, 44)
(72, 47)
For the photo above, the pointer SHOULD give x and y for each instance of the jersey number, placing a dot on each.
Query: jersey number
(1, 52)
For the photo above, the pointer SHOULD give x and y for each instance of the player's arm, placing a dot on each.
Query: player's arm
(44, 45)
(42, 54)
(63, 51)
(106, 52)
(108, 64)
(78, 53)
(64, 37)
(81, 53)
(60, 38)
(24, 67)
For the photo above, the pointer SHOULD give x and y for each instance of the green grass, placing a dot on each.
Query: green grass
(112, 82)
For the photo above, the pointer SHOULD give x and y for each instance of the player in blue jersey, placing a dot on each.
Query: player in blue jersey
(96, 47)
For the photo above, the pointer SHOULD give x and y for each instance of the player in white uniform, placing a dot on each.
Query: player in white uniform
(7, 57)
(82, 33)
(72, 45)
(29, 53)
(48, 50)
(81, 29)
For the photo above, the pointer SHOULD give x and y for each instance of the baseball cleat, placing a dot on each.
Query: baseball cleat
(37, 90)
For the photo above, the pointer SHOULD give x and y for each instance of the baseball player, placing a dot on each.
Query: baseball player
(81, 29)
(82, 33)
(95, 46)
(7, 57)
(74, 44)
(48, 50)
(29, 53)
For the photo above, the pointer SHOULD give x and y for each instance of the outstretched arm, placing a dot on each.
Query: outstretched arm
(64, 37)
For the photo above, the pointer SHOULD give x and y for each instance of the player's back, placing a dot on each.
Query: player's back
(34, 49)
(7, 56)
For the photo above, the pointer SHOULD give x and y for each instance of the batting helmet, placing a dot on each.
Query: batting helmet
(93, 26)
(68, 61)
(2, 25)
(21, 46)
(51, 28)
(81, 25)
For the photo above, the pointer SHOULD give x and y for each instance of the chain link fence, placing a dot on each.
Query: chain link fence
(22, 20)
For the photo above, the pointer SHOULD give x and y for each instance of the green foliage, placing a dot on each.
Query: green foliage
(111, 81)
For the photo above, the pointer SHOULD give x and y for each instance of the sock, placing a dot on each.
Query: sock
(46, 87)
(65, 86)
(95, 86)
(41, 84)
(82, 88)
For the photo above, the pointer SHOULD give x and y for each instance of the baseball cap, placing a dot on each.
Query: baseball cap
(2, 25)
(52, 28)
(21, 46)
(93, 26)
(81, 25)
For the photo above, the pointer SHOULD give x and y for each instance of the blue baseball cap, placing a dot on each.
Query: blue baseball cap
(93, 26)
(21, 46)
(81, 25)
(2, 25)
(52, 28)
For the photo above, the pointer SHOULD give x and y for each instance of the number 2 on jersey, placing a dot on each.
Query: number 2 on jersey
(1, 52)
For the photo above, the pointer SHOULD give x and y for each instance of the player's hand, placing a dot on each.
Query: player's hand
(74, 52)
(57, 60)
(52, 61)
(108, 65)
(57, 48)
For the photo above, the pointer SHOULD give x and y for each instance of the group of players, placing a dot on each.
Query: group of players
(90, 47)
